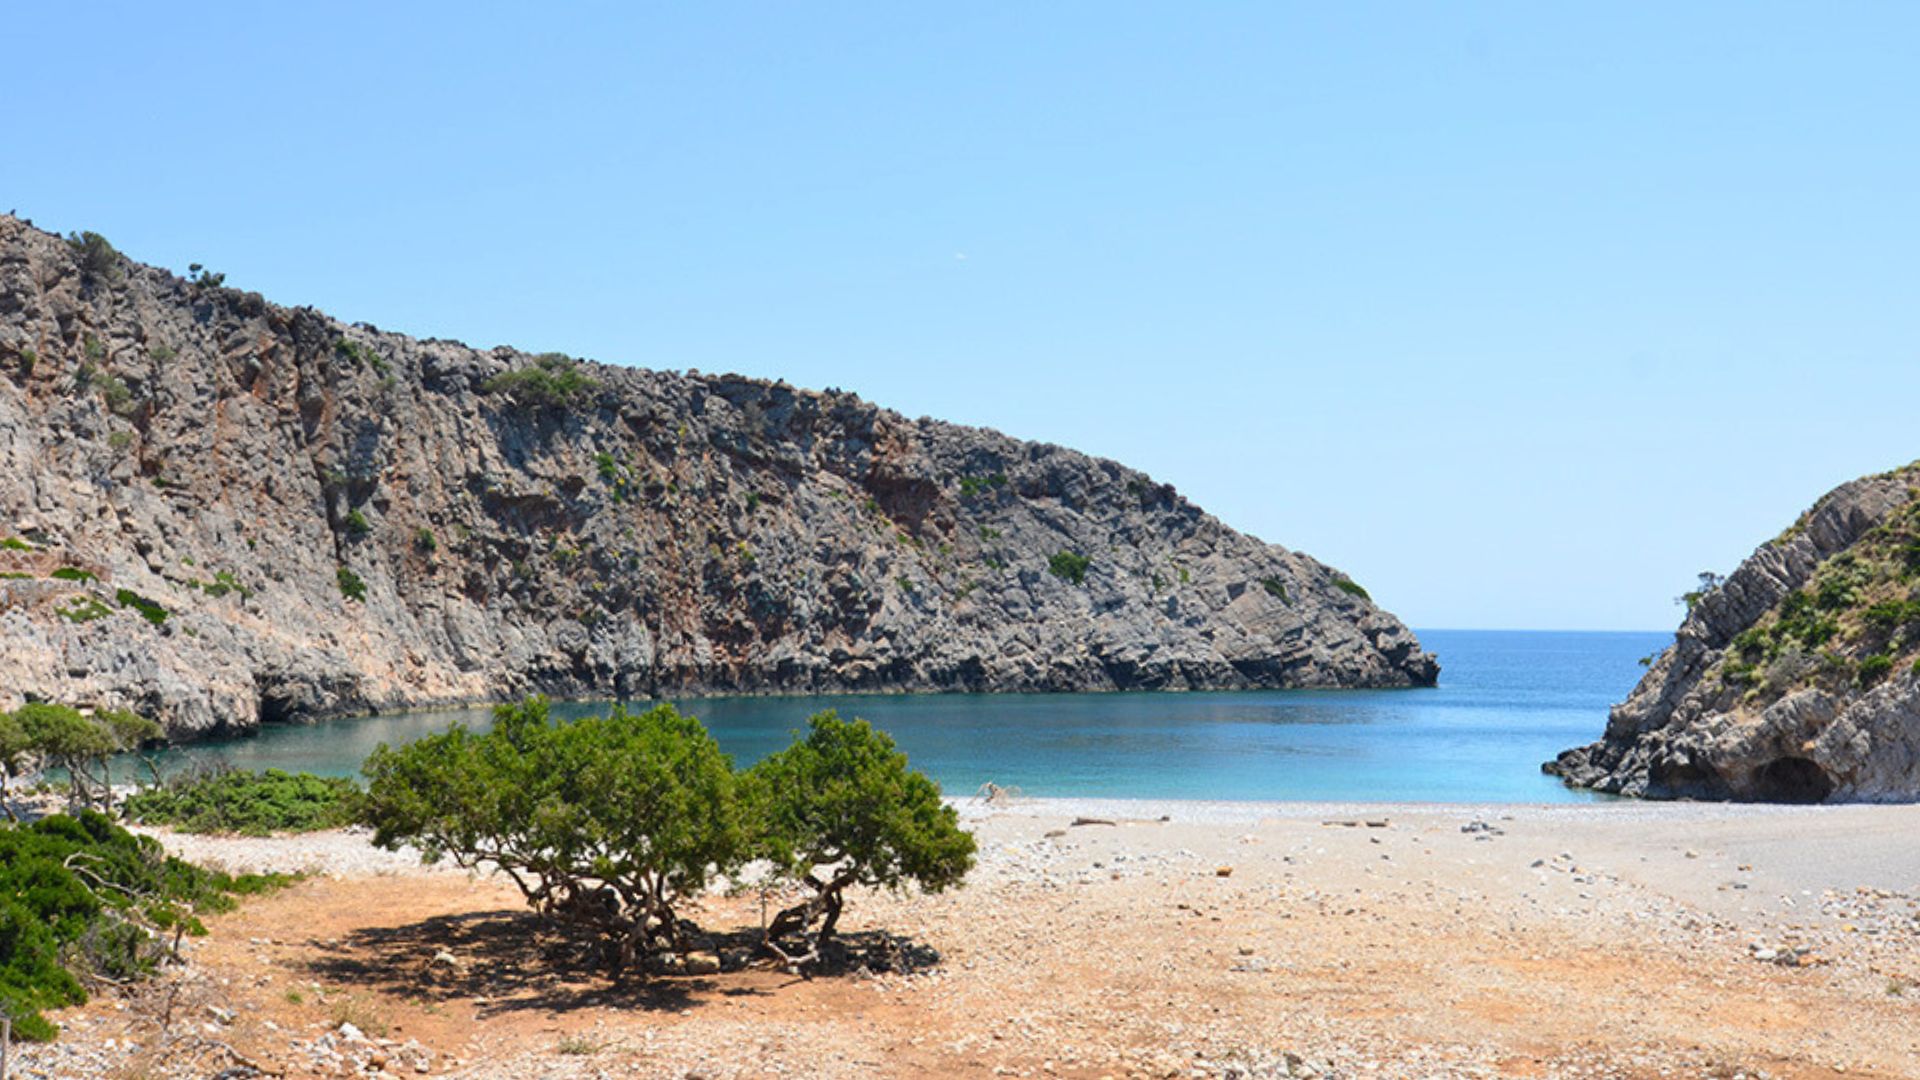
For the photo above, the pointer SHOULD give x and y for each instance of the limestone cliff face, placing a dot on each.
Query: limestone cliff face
(1796, 679)
(225, 512)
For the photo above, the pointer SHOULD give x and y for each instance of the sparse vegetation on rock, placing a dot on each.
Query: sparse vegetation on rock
(262, 428)
(552, 381)
(1791, 679)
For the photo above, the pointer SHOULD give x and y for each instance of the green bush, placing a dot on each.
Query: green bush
(1874, 668)
(251, 804)
(1351, 588)
(1275, 588)
(554, 380)
(73, 573)
(1069, 566)
(149, 610)
(361, 355)
(98, 260)
(842, 808)
(83, 609)
(223, 583)
(82, 897)
(607, 822)
(357, 523)
(976, 485)
(424, 539)
(351, 585)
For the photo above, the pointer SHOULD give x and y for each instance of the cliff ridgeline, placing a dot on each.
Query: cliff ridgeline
(222, 512)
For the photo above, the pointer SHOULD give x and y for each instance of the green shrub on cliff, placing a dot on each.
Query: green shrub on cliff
(99, 261)
(1874, 668)
(554, 380)
(150, 610)
(251, 804)
(1069, 566)
(1351, 588)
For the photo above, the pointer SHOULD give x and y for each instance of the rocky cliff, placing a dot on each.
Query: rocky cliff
(224, 512)
(1797, 679)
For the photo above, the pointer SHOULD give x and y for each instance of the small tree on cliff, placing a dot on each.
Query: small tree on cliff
(842, 808)
(605, 821)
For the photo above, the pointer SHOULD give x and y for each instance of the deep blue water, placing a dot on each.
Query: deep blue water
(1507, 701)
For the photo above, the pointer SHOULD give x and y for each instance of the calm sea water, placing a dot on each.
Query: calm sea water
(1507, 701)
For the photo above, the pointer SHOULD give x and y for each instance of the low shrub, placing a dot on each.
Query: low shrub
(73, 573)
(98, 260)
(149, 610)
(83, 609)
(81, 897)
(251, 804)
(351, 585)
(1275, 588)
(357, 523)
(554, 380)
(1874, 668)
(1351, 588)
(1069, 566)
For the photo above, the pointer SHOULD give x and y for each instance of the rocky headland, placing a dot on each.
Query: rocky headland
(1797, 679)
(221, 512)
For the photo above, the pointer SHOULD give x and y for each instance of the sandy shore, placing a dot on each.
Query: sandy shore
(1183, 939)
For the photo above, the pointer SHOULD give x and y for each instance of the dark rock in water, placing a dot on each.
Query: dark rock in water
(258, 513)
(1794, 680)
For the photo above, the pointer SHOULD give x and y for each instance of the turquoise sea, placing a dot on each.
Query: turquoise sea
(1507, 701)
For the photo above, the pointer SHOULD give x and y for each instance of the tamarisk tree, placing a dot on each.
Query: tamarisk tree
(604, 821)
(841, 808)
(81, 744)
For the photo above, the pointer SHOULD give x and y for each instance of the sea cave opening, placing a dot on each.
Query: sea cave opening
(1792, 780)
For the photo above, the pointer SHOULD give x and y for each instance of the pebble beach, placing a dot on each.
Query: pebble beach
(1115, 938)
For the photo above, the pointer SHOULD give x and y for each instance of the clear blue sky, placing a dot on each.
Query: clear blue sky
(1520, 313)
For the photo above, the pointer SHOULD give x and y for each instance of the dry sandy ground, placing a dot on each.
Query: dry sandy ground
(1251, 940)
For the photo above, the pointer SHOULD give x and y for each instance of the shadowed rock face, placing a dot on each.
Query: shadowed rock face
(1795, 681)
(237, 469)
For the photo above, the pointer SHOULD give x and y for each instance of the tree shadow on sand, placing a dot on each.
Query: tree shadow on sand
(515, 960)
(520, 961)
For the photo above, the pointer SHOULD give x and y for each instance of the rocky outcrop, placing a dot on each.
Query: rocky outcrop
(227, 512)
(1795, 680)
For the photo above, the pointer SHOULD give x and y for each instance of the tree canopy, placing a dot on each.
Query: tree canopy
(611, 822)
(841, 807)
(605, 821)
